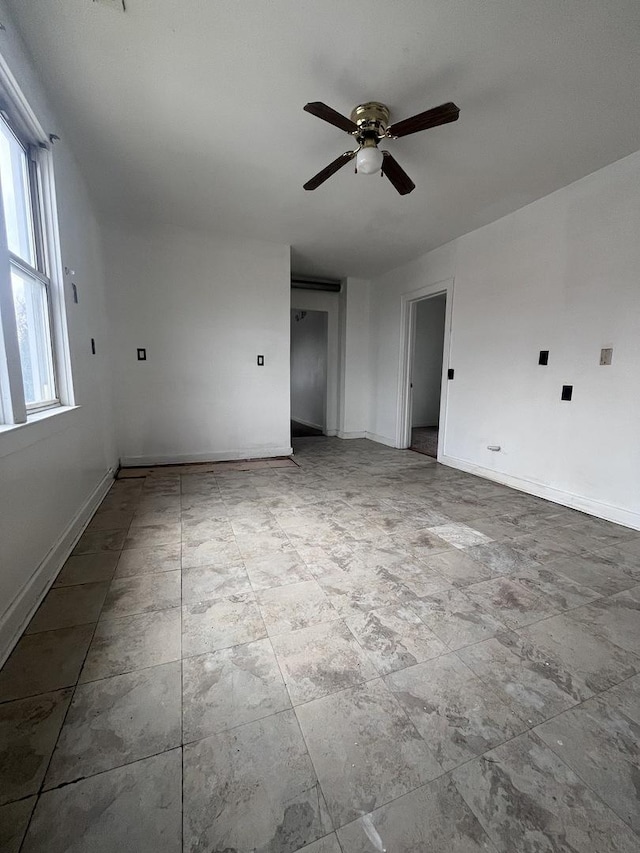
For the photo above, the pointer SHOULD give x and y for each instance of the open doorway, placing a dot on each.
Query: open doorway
(424, 368)
(309, 348)
(426, 373)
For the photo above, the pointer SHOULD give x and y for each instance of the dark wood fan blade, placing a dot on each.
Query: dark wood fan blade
(329, 170)
(317, 108)
(396, 174)
(423, 121)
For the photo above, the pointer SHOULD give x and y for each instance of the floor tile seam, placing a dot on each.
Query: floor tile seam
(109, 617)
(359, 683)
(540, 597)
(408, 792)
(491, 689)
(88, 776)
(551, 615)
(106, 529)
(620, 545)
(448, 644)
(329, 621)
(528, 733)
(117, 577)
(236, 726)
(66, 714)
(304, 740)
(577, 703)
(368, 654)
(570, 612)
(492, 848)
(575, 772)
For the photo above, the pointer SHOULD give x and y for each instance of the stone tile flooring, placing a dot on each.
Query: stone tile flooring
(364, 652)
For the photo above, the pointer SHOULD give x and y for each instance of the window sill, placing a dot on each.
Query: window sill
(40, 426)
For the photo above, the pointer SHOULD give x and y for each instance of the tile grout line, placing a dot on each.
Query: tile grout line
(73, 689)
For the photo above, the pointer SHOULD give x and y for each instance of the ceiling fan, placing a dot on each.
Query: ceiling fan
(369, 125)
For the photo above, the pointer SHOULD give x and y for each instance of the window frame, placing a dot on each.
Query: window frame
(22, 122)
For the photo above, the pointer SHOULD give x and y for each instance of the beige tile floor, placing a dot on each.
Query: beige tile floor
(365, 651)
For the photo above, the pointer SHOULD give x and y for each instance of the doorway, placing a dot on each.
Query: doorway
(426, 373)
(424, 364)
(309, 350)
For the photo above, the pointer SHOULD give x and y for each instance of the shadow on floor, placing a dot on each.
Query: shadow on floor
(299, 430)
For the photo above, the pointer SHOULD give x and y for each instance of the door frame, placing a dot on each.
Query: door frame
(408, 302)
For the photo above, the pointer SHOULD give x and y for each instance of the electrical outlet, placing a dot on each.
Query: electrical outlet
(606, 355)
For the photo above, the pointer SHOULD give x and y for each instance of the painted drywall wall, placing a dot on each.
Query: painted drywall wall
(315, 300)
(426, 369)
(560, 274)
(204, 308)
(309, 367)
(51, 470)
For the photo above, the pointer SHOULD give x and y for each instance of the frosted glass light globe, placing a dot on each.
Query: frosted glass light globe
(369, 160)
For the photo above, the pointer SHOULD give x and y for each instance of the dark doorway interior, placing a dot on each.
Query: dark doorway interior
(426, 373)
(309, 355)
(425, 440)
(299, 430)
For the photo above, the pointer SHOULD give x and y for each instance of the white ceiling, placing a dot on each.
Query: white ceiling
(190, 112)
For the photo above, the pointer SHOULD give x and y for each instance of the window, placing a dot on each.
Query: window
(29, 352)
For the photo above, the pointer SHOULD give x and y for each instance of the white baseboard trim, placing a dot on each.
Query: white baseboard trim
(207, 456)
(381, 439)
(307, 423)
(15, 619)
(342, 434)
(609, 512)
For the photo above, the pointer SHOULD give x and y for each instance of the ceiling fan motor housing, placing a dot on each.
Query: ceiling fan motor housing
(372, 120)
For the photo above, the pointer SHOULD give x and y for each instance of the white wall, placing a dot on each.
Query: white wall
(560, 274)
(52, 472)
(426, 373)
(309, 367)
(204, 308)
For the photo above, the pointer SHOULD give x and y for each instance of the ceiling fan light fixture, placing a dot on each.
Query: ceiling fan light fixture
(369, 159)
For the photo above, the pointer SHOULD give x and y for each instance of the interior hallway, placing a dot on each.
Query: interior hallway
(364, 651)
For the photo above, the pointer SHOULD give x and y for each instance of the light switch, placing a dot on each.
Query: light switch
(142, 354)
(606, 355)
(567, 391)
(260, 361)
